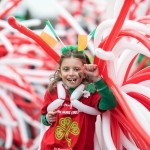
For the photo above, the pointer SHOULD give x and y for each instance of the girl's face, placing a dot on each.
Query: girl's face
(71, 72)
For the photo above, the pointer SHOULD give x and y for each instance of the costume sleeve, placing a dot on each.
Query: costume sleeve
(107, 100)
(46, 102)
(44, 121)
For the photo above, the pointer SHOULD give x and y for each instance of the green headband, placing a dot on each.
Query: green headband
(70, 47)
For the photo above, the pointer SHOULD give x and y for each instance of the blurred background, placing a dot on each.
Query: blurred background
(25, 66)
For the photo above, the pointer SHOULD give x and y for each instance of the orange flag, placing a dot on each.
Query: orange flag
(82, 42)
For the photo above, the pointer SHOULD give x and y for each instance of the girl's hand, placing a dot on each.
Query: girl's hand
(51, 117)
(92, 71)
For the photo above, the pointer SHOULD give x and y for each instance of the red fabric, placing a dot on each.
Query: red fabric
(75, 130)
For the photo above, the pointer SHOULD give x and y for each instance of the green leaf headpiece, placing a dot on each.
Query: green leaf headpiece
(70, 47)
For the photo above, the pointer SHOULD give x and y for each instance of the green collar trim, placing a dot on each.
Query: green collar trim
(71, 90)
(90, 87)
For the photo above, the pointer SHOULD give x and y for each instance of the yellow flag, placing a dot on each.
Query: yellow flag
(82, 42)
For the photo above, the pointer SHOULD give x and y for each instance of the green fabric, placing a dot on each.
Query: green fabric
(44, 121)
(71, 90)
(91, 88)
(108, 100)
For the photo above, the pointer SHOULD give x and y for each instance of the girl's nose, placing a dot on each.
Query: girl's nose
(71, 72)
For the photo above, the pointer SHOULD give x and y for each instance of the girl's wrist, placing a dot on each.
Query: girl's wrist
(46, 117)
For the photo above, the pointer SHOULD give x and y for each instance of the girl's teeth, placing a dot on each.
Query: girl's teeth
(73, 81)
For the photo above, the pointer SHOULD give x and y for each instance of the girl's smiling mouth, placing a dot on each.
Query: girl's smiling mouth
(72, 80)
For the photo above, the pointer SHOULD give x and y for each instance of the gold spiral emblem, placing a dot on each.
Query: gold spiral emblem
(65, 127)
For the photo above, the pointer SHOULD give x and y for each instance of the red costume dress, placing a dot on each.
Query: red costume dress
(73, 130)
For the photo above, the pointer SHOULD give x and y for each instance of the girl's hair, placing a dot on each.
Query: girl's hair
(68, 54)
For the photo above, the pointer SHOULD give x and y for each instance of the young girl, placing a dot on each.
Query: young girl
(76, 95)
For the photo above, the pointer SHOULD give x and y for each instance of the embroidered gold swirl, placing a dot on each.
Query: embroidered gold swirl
(65, 127)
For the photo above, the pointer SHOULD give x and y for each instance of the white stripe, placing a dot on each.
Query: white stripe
(48, 31)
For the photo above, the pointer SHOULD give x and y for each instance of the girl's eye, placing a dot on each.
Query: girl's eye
(66, 69)
(76, 69)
